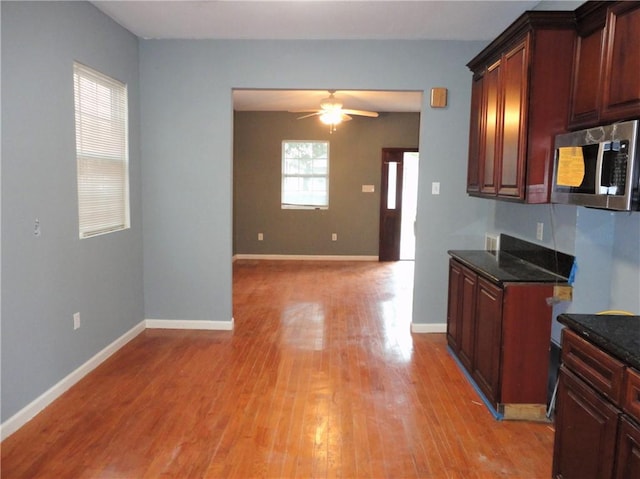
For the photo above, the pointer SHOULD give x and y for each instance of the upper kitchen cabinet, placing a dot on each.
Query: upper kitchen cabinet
(519, 102)
(606, 78)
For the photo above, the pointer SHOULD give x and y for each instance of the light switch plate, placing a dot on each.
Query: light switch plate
(435, 188)
(368, 188)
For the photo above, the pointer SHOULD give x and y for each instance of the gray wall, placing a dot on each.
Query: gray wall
(355, 160)
(187, 155)
(625, 265)
(46, 279)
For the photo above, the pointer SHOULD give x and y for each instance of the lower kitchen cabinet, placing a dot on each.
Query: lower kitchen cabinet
(500, 333)
(460, 323)
(486, 364)
(597, 432)
(586, 431)
(628, 456)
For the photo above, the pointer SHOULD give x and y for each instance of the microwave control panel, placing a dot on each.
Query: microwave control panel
(614, 167)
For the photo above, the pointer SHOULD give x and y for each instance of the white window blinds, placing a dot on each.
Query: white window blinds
(102, 152)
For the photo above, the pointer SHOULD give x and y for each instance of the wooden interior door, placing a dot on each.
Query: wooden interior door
(391, 202)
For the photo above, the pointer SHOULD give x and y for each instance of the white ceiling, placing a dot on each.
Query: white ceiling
(317, 19)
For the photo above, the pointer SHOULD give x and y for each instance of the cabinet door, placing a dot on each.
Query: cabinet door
(586, 430)
(488, 335)
(476, 134)
(586, 87)
(628, 455)
(468, 318)
(492, 130)
(512, 156)
(454, 309)
(631, 401)
(621, 74)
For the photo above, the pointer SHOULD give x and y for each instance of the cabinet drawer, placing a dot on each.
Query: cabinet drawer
(600, 370)
(631, 402)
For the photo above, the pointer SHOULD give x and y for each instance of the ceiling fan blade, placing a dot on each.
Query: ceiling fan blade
(370, 114)
(310, 115)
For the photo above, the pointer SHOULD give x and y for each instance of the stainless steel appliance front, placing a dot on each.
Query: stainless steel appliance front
(598, 167)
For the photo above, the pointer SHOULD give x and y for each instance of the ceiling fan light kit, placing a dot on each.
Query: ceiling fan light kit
(330, 117)
(331, 112)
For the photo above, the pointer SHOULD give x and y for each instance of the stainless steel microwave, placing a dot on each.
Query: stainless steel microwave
(598, 167)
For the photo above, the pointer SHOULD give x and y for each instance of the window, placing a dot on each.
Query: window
(305, 174)
(101, 152)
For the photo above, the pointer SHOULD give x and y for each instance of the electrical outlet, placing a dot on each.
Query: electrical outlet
(540, 231)
(491, 243)
(260, 236)
(76, 320)
(334, 236)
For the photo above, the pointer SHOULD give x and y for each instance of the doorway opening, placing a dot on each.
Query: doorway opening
(409, 206)
(398, 204)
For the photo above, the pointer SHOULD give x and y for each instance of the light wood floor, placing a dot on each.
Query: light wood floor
(321, 378)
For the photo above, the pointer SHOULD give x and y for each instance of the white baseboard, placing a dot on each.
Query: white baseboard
(20, 418)
(428, 327)
(188, 324)
(27, 413)
(303, 257)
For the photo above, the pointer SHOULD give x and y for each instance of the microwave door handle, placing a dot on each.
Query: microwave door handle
(599, 161)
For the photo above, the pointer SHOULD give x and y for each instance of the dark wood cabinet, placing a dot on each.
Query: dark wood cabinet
(468, 319)
(454, 316)
(476, 144)
(586, 431)
(594, 366)
(515, 90)
(461, 312)
(488, 339)
(500, 334)
(490, 135)
(597, 433)
(521, 83)
(586, 89)
(628, 455)
(606, 83)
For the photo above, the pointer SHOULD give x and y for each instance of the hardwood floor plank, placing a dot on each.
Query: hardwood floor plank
(321, 378)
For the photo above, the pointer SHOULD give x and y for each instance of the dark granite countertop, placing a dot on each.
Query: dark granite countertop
(505, 268)
(617, 335)
(518, 261)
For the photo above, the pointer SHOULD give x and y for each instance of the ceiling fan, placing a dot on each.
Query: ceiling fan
(331, 112)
